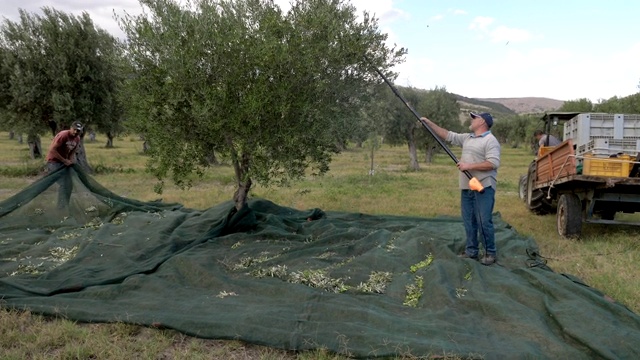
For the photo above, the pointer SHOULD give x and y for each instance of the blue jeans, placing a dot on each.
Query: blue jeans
(477, 209)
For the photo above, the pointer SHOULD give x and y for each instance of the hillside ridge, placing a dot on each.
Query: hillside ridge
(526, 105)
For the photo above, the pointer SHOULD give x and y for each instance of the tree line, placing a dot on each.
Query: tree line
(273, 93)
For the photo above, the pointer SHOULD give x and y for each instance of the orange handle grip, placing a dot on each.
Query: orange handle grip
(475, 185)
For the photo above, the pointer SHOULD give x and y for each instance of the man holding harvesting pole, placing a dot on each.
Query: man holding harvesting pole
(481, 157)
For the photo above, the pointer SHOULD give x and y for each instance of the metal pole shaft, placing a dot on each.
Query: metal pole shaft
(440, 142)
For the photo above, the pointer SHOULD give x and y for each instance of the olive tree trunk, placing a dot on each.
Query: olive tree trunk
(81, 157)
(109, 143)
(413, 156)
(241, 167)
(430, 150)
(35, 146)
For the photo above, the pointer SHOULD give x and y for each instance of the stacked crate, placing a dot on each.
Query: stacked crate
(609, 143)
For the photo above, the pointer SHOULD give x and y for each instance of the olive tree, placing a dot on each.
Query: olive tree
(577, 105)
(268, 90)
(402, 127)
(443, 108)
(57, 68)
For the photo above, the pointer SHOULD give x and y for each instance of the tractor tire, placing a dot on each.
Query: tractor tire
(569, 216)
(522, 188)
(536, 199)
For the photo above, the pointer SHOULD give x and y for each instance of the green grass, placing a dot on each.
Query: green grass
(606, 257)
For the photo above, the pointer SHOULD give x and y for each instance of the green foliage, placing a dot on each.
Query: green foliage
(274, 93)
(400, 124)
(27, 170)
(318, 279)
(626, 105)
(615, 105)
(105, 169)
(578, 105)
(517, 130)
(414, 292)
(377, 282)
(56, 68)
(422, 264)
(441, 107)
(401, 127)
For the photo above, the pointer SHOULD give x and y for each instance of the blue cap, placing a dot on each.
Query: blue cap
(488, 119)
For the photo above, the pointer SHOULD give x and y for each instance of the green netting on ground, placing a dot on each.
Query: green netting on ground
(352, 283)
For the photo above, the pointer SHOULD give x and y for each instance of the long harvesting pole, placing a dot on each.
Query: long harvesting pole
(474, 183)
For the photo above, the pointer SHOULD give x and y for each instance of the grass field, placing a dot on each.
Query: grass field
(605, 257)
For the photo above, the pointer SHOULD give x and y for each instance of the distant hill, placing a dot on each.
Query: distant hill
(527, 105)
(501, 107)
(471, 104)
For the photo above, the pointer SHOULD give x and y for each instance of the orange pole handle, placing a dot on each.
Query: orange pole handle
(476, 185)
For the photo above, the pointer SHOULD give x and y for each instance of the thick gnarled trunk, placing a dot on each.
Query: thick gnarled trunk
(241, 167)
(242, 193)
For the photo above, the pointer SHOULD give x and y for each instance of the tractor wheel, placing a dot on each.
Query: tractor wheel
(569, 216)
(522, 188)
(536, 199)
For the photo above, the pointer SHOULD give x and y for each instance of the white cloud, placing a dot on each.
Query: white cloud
(384, 10)
(101, 13)
(459, 12)
(437, 17)
(416, 71)
(501, 34)
(504, 34)
(554, 73)
(481, 23)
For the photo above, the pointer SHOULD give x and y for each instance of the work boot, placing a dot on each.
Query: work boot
(464, 255)
(488, 260)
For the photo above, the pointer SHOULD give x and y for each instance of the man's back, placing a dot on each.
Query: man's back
(553, 141)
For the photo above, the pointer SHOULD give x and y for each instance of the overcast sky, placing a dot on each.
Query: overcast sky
(564, 50)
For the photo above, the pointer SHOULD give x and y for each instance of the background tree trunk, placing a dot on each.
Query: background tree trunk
(413, 156)
(12, 134)
(81, 157)
(372, 170)
(20, 141)
(109, 144)
(413, 152)
(35, 147)
(429, 152)
(212, 159)
(53, 126)
(341, 145)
